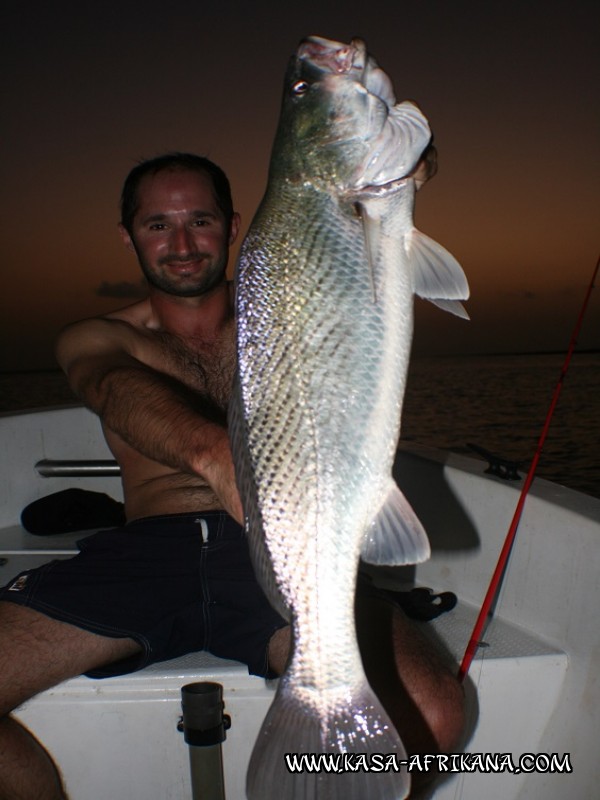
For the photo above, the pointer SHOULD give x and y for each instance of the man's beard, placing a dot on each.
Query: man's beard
(210, 276)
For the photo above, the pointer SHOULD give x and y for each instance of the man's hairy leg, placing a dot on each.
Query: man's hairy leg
(412, 678)
(36, 653)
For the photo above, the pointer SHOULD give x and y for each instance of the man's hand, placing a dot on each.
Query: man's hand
(216, 467)
(427, 166)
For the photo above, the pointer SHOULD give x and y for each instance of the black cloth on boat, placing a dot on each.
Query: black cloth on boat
(72, 510)
(422, 603)
(419, 603)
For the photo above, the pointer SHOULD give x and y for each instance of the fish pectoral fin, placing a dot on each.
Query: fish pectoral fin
(395, 537)
(437, 275)
(372, 232)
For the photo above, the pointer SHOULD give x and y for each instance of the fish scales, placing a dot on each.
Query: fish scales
(324, 289)
(312, 385)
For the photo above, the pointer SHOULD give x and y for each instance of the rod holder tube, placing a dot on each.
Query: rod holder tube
(204, 725)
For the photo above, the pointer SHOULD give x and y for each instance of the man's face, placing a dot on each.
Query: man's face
(180, 234)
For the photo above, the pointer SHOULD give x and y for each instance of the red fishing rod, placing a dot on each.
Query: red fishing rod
(493, 588)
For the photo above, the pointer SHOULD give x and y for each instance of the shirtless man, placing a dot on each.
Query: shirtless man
(158, 374)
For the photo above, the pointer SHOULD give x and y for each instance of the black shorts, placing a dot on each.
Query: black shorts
(175, 583)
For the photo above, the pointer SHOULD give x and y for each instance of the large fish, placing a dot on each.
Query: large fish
(324, 288)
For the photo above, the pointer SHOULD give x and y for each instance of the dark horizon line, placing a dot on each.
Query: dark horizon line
(480, 354)
(583, 351)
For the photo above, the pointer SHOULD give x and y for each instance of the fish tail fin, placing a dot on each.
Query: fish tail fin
(306, 752)
(395, 536)
(437, 275)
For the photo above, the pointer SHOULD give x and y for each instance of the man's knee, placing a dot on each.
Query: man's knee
(445, 714)
(279, 649)
(429, 677)
(26, 768)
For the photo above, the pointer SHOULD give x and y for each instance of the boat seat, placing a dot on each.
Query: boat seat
(118, 737)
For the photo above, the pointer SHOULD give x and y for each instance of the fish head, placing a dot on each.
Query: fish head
(340, 125)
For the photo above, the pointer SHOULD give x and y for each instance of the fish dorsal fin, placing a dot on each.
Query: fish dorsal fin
(437, 275)
(395, 536)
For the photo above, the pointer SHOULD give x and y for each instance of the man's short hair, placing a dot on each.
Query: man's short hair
(186, 162)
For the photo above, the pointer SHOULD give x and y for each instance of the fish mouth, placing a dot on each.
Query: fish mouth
(396, 134)
(351, 59)
(334, 56)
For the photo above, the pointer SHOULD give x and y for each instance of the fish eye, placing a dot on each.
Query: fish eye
(300, 87)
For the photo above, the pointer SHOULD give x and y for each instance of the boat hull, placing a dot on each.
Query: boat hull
(531, 689)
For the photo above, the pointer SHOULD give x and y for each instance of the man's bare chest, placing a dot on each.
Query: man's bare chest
(207, 367)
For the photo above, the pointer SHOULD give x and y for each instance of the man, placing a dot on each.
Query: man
(158, 373)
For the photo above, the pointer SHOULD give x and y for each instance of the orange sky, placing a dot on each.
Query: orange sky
(510, 90)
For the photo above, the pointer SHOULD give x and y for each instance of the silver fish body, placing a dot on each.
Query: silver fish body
(324, 294)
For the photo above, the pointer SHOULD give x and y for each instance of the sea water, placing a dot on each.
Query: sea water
(499, 403)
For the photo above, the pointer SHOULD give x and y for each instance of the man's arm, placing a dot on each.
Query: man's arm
(153, 412)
